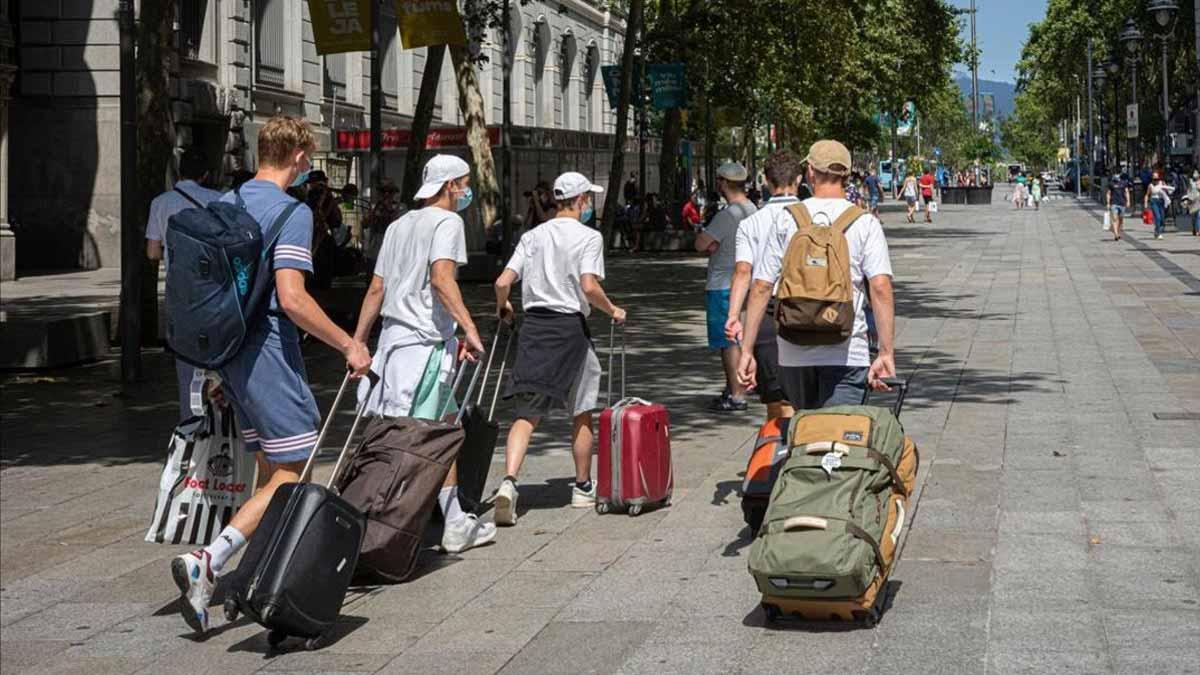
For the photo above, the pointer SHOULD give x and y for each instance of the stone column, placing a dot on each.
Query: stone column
(8, 242)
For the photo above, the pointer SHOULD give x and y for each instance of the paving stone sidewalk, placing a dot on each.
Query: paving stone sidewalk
(1054, 529)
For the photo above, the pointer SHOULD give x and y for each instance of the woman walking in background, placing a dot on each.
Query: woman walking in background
(1157, 199)
(1035, 191)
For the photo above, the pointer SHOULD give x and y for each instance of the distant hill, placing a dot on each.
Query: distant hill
(1004, 93)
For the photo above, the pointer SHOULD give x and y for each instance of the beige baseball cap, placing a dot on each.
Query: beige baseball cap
(829, 157)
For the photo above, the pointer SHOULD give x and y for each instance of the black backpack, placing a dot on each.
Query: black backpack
(219, 278)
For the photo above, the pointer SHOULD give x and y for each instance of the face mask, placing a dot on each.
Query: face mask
(464, 200)
(303, 177)
(587, 214)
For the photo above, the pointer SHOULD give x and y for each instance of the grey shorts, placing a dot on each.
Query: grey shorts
(583, 397)
(812, 387)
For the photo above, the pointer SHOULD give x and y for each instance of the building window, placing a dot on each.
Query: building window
(541, 48)
(195, 34)
(269, 41)
(390, 75)
(564, 97)
(591, 67)
(335, 76)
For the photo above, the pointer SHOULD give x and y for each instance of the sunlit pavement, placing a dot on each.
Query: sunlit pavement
(1056, 399)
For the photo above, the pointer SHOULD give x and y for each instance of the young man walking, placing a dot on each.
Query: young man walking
(188, 193)
(838, 374)
(266, 382)
(415, 288)
(718, 240)
(560, 265)
(1117, 200)
(874, 192)
(783, 176)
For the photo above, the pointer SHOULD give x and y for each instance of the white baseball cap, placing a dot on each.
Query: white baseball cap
(572, 184)
(733, 172)
(438, 170)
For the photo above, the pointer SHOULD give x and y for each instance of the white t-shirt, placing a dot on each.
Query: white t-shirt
(752, 231)
(723, 229)
(868, 258)
(551, 260)
(410, 247)
(171, 202)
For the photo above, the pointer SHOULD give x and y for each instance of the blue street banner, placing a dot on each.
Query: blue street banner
(668, 85)
(612, 84)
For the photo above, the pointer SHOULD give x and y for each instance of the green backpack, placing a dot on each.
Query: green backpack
(833, 523)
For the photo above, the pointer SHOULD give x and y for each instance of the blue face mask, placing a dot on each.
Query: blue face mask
(587, 214)
(302, 178)
(464, 200)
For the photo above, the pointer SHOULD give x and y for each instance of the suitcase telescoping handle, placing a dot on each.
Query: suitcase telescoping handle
(487, 370)
(612, 349)
(901, 387)
(337, 400)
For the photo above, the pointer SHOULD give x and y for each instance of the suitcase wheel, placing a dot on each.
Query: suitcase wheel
(868, 618)
(771, 612)
(276, 638)
(603, 507)
(635, 510)
(312, 644)
(231, 610)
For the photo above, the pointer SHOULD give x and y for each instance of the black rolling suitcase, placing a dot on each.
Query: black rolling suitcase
(481, 430)
(293, 577)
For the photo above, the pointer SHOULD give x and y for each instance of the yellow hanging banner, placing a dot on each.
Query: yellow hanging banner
(429, 22)
(341, 25)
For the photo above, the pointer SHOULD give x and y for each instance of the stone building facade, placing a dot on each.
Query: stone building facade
(242, 61)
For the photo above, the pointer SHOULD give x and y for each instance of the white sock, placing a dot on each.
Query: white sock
(448, 501)
(227, 543)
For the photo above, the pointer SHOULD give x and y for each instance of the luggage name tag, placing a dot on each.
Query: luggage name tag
(831, 461)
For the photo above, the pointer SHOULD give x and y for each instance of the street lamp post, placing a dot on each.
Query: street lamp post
(1100, 151)
(1164, 12)
(1114, 69)
(1131, 38)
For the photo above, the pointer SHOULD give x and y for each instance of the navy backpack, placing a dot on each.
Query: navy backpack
(219, 279)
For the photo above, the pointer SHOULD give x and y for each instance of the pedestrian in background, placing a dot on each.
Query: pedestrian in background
(1117, 199)
(692, 214)
(910, 196)
(188, 193)
(1157, 199)
(1192, 201)
(927, 187)
(874, 192)
(1035, 192)
(719, 241)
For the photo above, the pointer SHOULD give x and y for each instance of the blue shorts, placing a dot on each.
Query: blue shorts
(718, 312)
(1118, 211)
(873, 202)
(268, 388)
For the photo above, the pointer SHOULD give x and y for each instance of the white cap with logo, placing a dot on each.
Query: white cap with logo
(438, 170)
(572, 184)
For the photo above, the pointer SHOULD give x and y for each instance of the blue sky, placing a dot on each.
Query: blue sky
(1001, 27)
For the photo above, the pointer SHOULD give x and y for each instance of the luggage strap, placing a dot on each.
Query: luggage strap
(823, 523)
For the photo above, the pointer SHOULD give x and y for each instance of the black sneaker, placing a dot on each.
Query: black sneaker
(729, 404)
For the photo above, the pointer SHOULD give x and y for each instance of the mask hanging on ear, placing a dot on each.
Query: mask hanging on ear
(587, 213)
(301, 178)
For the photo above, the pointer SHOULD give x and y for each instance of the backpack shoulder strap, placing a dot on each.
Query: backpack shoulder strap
(848, 218)
(188, 197)
(272, 235)
(800, 215)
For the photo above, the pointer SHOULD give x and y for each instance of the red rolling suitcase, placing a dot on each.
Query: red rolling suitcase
(633, 468)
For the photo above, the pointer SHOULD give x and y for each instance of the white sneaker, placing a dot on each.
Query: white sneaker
(581, 499)
(506, 503)
(1158, 236)
(467, 532)
(194, 576)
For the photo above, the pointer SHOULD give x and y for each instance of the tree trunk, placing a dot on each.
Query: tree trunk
(668, 158)
(633, 26)
(155, 136)
(414, 160)
(471, 103)
(895, 168)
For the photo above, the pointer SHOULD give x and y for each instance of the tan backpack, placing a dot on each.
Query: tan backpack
(815, 300)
